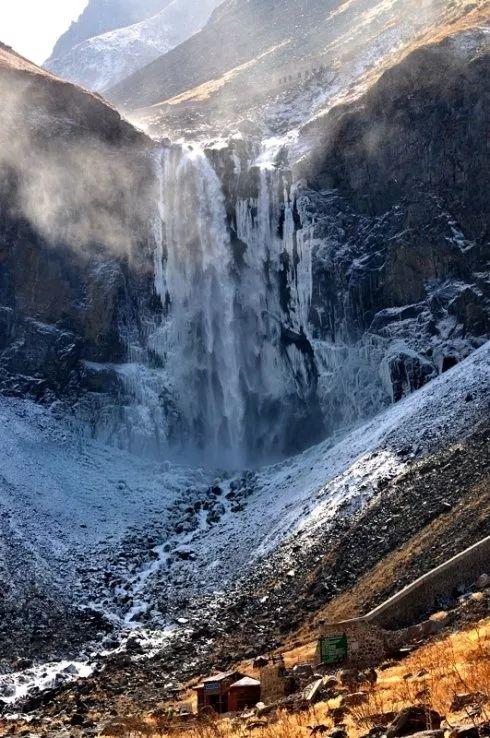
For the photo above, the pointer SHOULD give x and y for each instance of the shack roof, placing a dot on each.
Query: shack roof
(220, 677)
(246, 682)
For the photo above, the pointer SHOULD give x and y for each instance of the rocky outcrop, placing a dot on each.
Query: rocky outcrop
(420, 129)
(74, 178)
(393, 203)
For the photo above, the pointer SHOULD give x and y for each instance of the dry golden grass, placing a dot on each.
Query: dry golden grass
(431, 676)
(455, 665)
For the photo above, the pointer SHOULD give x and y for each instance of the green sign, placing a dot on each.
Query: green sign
(333, 649)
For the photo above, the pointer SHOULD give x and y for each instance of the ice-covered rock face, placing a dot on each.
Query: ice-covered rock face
(235, 366)
(285, 315)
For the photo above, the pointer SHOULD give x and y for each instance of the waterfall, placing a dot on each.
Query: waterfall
(228, 363)
(274, 303)
(230, 377)
(198, 342)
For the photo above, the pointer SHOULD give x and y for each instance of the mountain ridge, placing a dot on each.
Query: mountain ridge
(100, 16)
(102, 60)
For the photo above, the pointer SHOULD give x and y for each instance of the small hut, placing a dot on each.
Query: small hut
(243, 694)
(229, 691)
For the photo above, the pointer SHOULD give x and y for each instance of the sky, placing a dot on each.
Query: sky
(32, 27)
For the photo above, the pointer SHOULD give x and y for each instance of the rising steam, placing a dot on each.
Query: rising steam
(70, 166)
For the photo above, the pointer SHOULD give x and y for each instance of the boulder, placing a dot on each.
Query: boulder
(338, 733)
(349, 677)
(464, 731)
(413, 719)
(303, 673)
(320, 729)
(483, 581)
(467, 699)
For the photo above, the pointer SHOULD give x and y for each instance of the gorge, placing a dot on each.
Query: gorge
(222, 356)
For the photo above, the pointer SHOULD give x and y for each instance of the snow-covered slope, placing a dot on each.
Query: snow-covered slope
(101, 16)
(103, 60)
(125, 534)
(156, 546)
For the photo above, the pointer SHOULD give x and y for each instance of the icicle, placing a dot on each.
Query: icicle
(232, 342)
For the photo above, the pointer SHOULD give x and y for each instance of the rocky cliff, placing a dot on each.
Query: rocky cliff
(395, 205)
(74, 175)
(327, 284)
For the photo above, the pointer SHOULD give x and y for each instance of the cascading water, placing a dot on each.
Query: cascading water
(198, 340)
(274, 302)
(232, 339)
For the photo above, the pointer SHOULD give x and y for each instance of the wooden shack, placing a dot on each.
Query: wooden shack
(243, 694)
(229, 691)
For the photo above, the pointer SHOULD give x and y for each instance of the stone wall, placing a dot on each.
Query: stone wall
(296, 74)
(433, 589)
(367, 644)
(373, 637)
(276, 682)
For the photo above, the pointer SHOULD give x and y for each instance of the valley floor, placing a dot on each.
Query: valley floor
(167, 573)
(136, 541)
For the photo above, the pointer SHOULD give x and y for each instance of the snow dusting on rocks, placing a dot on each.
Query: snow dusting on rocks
(148, 545)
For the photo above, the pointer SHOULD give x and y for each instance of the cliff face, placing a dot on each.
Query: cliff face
(74, 175)
(395, 207)
(324, 292)
(421, 127)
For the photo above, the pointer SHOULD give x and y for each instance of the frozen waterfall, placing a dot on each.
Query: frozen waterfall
(232, 339)
(199, 339)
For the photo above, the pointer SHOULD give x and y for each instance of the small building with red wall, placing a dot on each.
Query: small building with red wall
(229, 691)
(243, 694)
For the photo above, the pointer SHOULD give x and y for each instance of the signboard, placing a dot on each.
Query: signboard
(333, 649)
(212, 686)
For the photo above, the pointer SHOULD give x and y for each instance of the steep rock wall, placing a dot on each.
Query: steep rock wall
(393, 201)
(74, 176)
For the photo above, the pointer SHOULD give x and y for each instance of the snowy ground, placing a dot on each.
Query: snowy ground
(153, 537)
(101, 61)
(305, 492)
